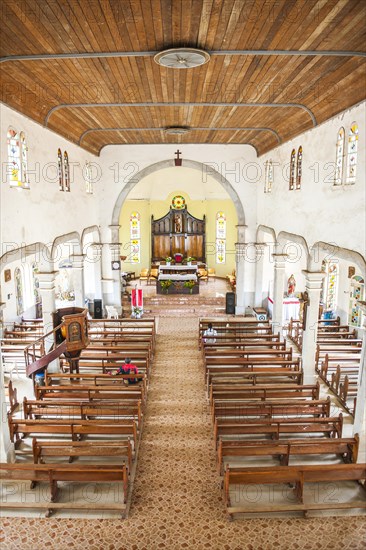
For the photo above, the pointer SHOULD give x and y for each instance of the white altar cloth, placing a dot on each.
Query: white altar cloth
(291, 308)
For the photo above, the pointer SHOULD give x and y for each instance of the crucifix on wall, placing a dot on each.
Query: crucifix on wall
(178, 160)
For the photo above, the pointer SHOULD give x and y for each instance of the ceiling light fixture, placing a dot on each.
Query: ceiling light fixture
(182, 58)
(177, 130)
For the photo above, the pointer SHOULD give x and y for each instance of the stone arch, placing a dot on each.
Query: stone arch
(322, 250)
(195, 165)
(261, 229)
(94, 230)
(75, 244)
(39, 250)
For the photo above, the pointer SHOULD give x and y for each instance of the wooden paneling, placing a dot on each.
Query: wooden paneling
(324, 84)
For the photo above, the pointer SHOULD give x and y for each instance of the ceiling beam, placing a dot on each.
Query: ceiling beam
(177, 104)
(191, 129)
(91, 55)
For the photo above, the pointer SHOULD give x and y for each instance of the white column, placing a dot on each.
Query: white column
(240, 278)
(313, 286)
(278, 290)
(111, 281)
(48, 295)
(78, 278)
(97, 253)
(359, 425)
(259, 266)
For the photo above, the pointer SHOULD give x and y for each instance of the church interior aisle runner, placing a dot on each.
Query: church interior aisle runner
(177, 501)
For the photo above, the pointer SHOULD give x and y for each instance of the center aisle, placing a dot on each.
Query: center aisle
(177, 502)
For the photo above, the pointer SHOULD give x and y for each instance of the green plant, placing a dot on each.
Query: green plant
(190, 259)
(168, 259)
(189, 284)
(137, 311)
(166, 284)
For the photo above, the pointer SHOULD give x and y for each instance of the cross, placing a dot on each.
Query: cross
(178, 153)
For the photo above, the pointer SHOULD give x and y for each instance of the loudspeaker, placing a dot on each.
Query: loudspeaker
(98, 309)
(230, 303)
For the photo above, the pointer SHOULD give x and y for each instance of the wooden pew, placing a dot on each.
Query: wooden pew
(54, 473)
(90, 393)
(269, 408)
(99, 379)
(74, 429)
(76, 410)
(250, 377)
(269, 391)
(275, 427)
(299, 476)
(121, 449)
(284, 449)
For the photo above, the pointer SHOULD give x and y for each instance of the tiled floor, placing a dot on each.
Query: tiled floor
(177, 498)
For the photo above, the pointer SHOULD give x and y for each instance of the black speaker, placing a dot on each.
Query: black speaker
(230, 303)
(98, 309)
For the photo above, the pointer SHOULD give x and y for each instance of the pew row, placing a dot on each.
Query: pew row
(70, 473)
(300, 498)
(345, 448)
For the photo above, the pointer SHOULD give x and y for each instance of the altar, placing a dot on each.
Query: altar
(177, 279)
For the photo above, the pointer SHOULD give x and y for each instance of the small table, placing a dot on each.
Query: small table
(128, 275)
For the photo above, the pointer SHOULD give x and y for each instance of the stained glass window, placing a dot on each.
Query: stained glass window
(352, 154)
(178, 202)
(339, 157)
(19, 291)
(66, 171)
(17, 159)
(135, 238)
(268, 177)
(292, 170)
(357, 293)
(37, 295)
(60, 171)
(220, 238)
(331, 282)
(299, 168)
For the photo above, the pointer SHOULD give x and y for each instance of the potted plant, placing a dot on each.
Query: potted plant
(189, 284)
(137, 312)
(190, 259)
(168, 260)
(165, 285)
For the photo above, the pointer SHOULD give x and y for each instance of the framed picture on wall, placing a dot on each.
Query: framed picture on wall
(7, 275)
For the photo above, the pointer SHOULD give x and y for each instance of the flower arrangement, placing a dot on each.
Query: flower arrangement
(189, 284)
(168, 259)
(190, 259)
(137, 311)
(166, 284)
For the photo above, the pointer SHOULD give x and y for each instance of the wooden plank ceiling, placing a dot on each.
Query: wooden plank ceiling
(259, 99)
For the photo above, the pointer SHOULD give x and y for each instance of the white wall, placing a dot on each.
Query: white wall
(43, 212)
(319, 211)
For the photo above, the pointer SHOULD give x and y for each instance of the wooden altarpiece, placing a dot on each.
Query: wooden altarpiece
(178, 232)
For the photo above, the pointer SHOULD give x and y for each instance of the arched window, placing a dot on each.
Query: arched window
(66, 171)
(19, 290)
(292, 170)
(268, 177)
(60, 171)
(352, 154)
(220, 238)
(357, 293)
(135, 238)
(339, 157)
(17, 159)
(329, 295)
(299, 168)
